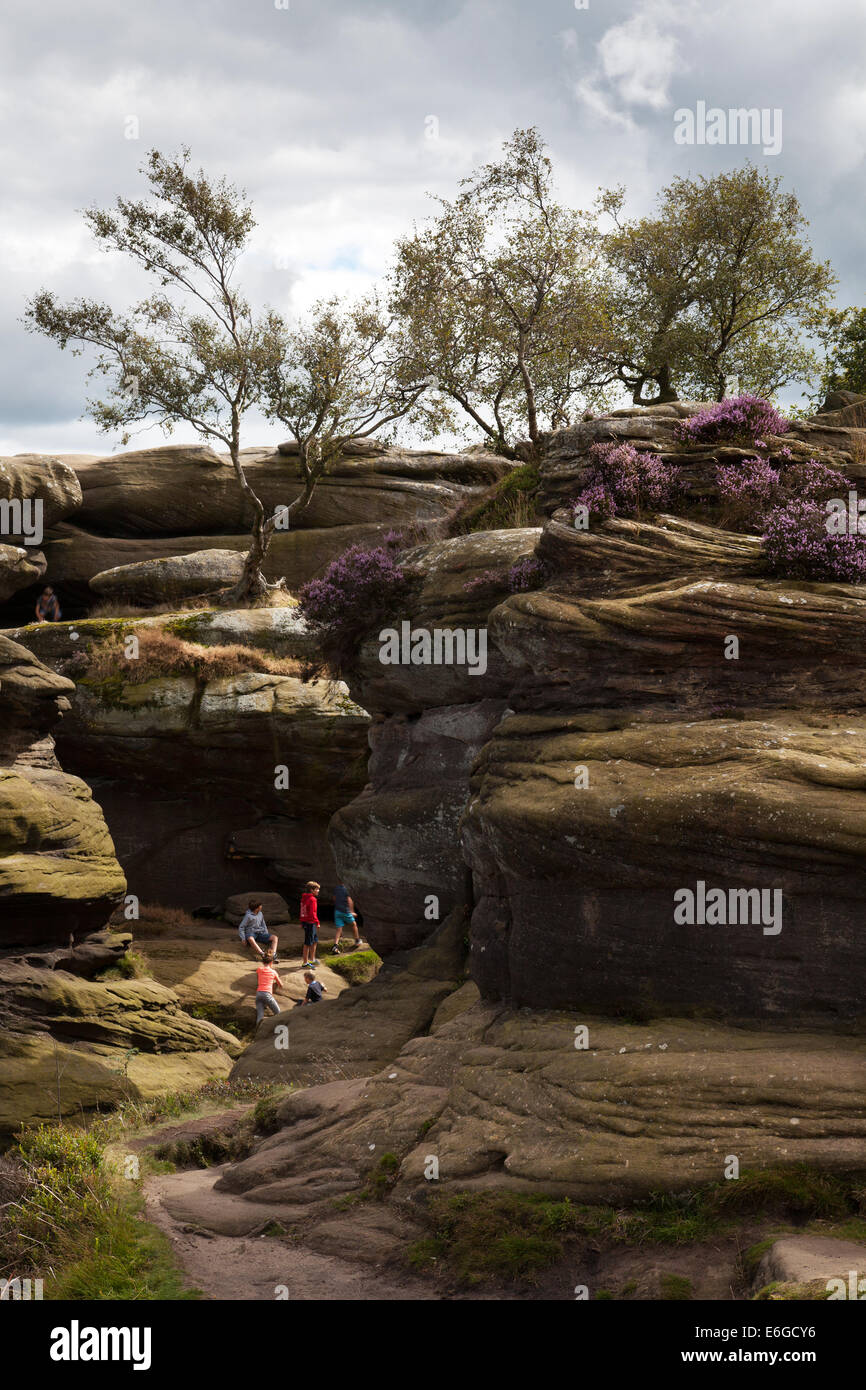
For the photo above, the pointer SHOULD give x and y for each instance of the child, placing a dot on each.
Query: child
(267, 981)
(310, 922)
(253, 932)
(344, 916)
(315, 989)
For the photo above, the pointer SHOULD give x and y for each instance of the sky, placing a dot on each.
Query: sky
(340, 118)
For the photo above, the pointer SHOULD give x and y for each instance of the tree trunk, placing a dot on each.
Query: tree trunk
(666, 392)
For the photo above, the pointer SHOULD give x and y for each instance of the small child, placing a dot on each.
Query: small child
(310, 922)
(315, 989)
(267, 980)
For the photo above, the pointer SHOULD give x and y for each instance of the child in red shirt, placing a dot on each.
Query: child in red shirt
(310, 922)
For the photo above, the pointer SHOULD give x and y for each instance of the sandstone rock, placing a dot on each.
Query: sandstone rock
(275, 909)
(180, 489)
(447, 597)
(37, 477)
(74, 556)
(173, 578)
(19, 568)
(69, 1043)
(504, 1099)
(206, 817)
(58, 872)
(813, 1260)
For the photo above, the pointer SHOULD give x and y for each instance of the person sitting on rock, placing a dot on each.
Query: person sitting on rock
(310, 922)
(344, 916)
(47, 606)
(253, 932)
(267, 980)
(315, 989)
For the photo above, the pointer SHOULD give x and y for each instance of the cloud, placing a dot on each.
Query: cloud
(639, 59)
(320, 112)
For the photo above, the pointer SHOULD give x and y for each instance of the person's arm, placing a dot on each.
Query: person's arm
(351, 906)
(278, 984)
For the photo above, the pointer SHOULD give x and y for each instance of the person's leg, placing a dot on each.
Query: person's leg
(272, 1004)
(260, 1007)
(273, 942)
(313, 946)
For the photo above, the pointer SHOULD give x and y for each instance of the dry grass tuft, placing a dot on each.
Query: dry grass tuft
(165, 654)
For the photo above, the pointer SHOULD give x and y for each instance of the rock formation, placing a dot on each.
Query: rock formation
(621, 757)
(177, 500)
(186, 768)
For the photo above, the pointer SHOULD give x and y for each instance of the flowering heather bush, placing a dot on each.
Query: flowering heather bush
(815, 480)
(622, 481)
(798, 545)
(526, 574)
(357, 590)
(748, 491)
(740, 418)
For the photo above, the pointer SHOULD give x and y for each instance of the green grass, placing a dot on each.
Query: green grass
(510, 503)
(510, 1236)
(675, 1288)
(78, 1230)
(355, 966)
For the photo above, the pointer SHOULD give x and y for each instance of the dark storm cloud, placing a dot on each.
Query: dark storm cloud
(319, 111)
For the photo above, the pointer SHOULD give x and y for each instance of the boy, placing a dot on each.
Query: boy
(310, 922)
(267, 980)
(344, 916)
(254, 934)
(47, 607)
(315, 989)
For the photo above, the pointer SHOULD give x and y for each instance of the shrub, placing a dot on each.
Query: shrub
(162, 654)
(358, 590)
(815, 480)
(744, 419)
(622, 481)
(799, 546)
(747, 492)
(528, 573)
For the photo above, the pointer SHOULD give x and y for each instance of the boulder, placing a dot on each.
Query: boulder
(207, 817)
(275, 909)
(58, 871)
(70, 1043)
(19, 568)
(795, 1263)
(75, 556)
(183, 489)
(171, 579)
(43, 479)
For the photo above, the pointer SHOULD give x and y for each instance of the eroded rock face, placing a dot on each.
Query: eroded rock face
(70, 1041)
(176, 500)
(39, 478)
(397, 844)
(19, 568)
(173, 579)
(58, 871)
(632, 753)
(186, 769)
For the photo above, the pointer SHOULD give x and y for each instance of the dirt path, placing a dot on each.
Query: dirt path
(249, 1267)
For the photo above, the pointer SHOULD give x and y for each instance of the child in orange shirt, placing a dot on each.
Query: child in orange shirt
(267, 981)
